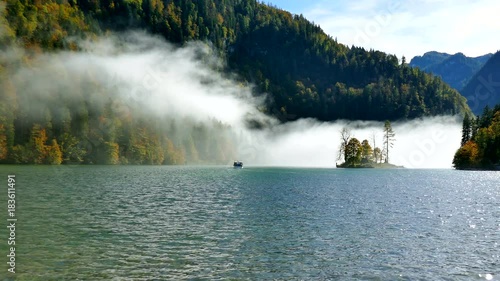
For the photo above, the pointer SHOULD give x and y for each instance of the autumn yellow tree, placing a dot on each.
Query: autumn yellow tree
(467, 155)
(3, 143)
(366, 152)
(37, 144)
(110, 153)
(54, 154)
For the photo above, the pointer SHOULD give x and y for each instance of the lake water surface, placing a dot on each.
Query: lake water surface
(219, 223)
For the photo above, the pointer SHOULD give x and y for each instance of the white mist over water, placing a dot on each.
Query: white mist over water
(167, 81)
(426, 143)
(186, 83)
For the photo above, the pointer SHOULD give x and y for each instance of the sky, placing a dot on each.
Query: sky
(406, 27)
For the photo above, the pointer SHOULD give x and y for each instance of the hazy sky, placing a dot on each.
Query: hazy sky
(409, 27)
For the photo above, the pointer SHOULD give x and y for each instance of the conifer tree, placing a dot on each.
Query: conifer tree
(388, 139)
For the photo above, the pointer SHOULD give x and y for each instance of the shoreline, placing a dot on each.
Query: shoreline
(370, 166)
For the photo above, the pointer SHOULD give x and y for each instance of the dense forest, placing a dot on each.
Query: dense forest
(306, 72)
(79, 118)
(480, 141)
(52, 112)
(303, 71)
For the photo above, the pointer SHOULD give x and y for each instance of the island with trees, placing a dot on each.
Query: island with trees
(358, 154)
(480, 147)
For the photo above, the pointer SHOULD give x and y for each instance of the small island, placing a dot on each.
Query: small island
(358, 154)
(371, 165)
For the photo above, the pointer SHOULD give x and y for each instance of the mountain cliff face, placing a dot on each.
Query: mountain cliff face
(484, 88)
(456, 70)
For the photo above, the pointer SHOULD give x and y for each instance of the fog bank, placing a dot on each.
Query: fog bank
(151, 77)
(425, 143)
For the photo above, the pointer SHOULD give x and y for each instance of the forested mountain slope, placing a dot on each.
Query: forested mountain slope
(303, 72)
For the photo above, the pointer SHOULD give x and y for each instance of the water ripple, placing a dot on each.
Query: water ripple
(217, 223)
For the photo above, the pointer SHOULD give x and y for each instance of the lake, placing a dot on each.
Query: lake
(220, 223)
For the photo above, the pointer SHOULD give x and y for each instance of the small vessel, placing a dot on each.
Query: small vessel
(238, 164)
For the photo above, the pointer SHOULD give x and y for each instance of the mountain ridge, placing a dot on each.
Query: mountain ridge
(455, 69)
(305, 72)
(483, 89)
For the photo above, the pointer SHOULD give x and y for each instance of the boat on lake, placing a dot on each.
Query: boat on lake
(238, 164)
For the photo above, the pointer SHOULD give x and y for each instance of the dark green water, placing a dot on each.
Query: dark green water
(218, 223)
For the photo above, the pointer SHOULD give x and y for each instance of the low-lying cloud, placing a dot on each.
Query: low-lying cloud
(155, 78)
(423, 143)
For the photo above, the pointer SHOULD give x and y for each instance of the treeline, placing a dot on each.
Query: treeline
(115, 141)
(312, 75)
(305, 72)
(81, 118)
(480, 146)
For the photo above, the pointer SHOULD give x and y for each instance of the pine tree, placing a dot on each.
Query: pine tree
(388, 139)
(466, 129)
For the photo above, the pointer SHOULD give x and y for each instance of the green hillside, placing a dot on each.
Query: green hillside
(306, 72)
(303, 71)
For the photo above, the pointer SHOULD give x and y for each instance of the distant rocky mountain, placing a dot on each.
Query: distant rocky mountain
(428, 59)
(456, 70)
(484, 87)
